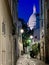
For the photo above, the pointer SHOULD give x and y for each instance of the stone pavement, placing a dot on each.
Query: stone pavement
(26, 60)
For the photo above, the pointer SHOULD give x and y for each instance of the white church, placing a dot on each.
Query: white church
(32, 19)
(32, 24)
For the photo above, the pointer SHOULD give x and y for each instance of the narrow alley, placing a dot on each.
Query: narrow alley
(24, 32)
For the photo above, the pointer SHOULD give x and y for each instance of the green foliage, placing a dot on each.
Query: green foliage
(27, 42)
(35, 49)
(39, 46)
(26, 34)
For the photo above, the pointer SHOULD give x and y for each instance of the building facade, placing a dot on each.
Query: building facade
(10, 36)
(13, 8)
(6, 36)
(17, 23)
(20, 44)
(46, 13)
(36, 35)
(44, 30)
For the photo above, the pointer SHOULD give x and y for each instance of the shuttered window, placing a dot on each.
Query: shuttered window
(3, 28)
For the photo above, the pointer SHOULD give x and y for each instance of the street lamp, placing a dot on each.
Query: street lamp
(31, 36)
(21, 30)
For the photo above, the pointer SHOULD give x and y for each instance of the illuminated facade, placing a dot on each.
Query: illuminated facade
(32, 19)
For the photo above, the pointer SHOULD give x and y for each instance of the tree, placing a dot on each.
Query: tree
(35, 49)
(26, 34)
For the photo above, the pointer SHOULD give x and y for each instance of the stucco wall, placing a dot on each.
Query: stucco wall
(6, 40)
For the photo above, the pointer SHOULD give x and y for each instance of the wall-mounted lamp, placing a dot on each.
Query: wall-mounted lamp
(31, 36)
(21, 30)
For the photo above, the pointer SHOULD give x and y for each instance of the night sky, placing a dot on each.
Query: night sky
(25, 9)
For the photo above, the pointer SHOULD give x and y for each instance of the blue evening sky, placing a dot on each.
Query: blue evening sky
(25, 8)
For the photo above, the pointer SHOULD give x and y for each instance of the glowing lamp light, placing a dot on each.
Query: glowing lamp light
(21, 30)
(31, 36)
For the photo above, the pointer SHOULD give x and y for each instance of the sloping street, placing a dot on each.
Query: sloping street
(26, 60)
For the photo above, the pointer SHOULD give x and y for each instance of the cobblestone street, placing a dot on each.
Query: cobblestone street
(26, 60)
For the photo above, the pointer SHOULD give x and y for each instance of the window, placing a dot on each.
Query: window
(42, 23)
(3, 28)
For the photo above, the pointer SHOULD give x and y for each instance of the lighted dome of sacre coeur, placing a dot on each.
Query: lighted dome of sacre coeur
(32, 19)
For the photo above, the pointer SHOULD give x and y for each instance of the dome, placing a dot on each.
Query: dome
(32, 19)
